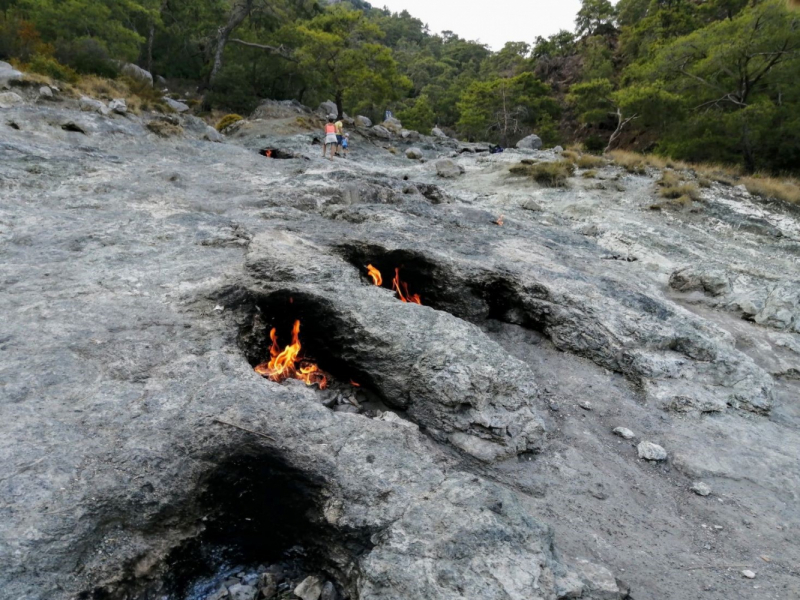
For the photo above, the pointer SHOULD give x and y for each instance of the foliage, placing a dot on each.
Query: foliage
(549, 174)
(227, 121)
(505, 109)
(420, 116)
(47, 65)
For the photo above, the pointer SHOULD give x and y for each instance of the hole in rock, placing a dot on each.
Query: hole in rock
(276, 153)
(321, 341)
(263, 533)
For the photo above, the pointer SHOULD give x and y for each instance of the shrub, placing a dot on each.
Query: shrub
(49, 66)
(589, 174)
(550, 174)
(787, 190)
(570, 155)
(228, 120)
(683, 190)
(88, 56)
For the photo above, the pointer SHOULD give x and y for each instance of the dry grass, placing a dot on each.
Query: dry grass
(674, 186)
(588, 161)
(549, 174)
(138, 96)
(630, 161)
(165, 129)
(591, 174)
(570, 155)
(726, 175)
(787, 189)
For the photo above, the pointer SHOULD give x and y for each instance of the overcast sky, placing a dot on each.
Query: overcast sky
(493, 22)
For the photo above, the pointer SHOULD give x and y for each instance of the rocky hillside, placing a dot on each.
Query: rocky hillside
(596, 396)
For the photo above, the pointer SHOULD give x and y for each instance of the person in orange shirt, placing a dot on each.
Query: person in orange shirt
(330, 138)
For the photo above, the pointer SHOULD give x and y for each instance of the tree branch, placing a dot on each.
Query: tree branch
(277, 50)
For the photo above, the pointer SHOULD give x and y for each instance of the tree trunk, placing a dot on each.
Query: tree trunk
(238, 14)
(747, 150)
(339, 101)
(149, 58)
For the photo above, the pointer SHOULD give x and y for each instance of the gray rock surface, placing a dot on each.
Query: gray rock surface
(624, 433)
(46, 92)
(438, 133)
(414, 153)
(362, 121)
(448, 168)
(8, 75)
(118, 106)
(212, 135)
(701, 489)
(651, 451)
(91, 105)
(531, 142)
(9, 99)
(381, 132)
(136, 72)
(310, 588)
(393, 124)
(691, 279)
(328, 108)
(176, 105)
(140, 276)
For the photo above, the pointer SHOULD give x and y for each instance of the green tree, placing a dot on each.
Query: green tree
(341, 49)
(505, 108)
(733, 76)
(420, 116)
(595, 17)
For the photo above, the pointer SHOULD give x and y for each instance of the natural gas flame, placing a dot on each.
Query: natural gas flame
(377, 278)
(268, 154)
(401, 287)
(287, 363)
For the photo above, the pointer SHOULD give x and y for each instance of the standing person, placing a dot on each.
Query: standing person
(346, 144)
(339, 134)
(330, 138)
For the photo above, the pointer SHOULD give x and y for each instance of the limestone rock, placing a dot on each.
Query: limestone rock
(748, 574)
(700, 488)
(91, 105)
(531, 142)
(328, 108)
(598, 581)
(177, 106)
(781, 308)
(328, 592)
(136, 72)
(212, 135)
(381, 132)
(651, 451)
(414, 153)
(46, 92)
(240, 591)
(394, 125)
(310, 588)
(624, 433)
(436, 132)
(8, 74)
(409, 134)
(448, 168)
(9, 99)
(118, 106)
(362, 121)
(713, 282)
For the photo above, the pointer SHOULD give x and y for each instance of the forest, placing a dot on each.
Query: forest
(696, 80)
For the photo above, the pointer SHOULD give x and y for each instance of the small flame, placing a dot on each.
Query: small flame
(287, 363)
(354, 384)
(499, 221)
(377, 278)
(401, 287)
(268, 154)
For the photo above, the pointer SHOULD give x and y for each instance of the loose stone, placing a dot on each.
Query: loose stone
(624, 433)
(651, 451)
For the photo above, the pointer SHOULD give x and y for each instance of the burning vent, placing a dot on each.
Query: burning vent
(277, 153)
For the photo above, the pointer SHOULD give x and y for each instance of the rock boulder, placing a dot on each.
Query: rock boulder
(531, 142)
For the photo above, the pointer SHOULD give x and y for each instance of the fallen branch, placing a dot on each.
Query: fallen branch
(258, 433)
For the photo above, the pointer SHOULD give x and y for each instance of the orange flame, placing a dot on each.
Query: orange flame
(401, 287)
(377, 278)
(287, 363)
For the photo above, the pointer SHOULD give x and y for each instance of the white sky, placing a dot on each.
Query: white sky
(493, 22)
